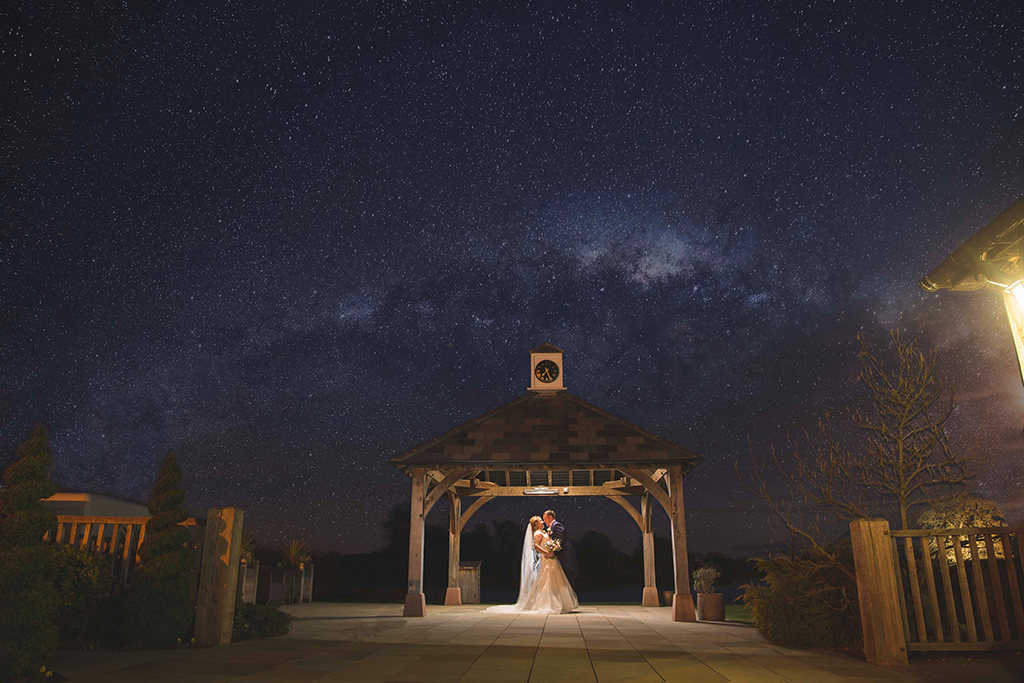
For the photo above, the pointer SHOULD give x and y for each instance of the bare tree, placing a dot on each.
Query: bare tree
(907, 456)
(904, 459)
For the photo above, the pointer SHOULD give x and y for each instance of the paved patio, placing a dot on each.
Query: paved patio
(353, 643)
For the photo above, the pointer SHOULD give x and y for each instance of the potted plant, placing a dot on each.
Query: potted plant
(710, 605)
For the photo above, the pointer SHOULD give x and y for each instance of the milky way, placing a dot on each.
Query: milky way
(291, 240)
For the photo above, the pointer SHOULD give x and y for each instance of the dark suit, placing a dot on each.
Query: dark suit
(566, 556)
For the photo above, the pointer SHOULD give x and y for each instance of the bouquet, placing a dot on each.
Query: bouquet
(552, 545)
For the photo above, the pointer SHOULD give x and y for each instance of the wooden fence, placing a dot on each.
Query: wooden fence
(120, 539)
(214, 542)
(960, 589)
(950, 589)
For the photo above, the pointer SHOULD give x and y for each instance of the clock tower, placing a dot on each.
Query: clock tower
(546, 368)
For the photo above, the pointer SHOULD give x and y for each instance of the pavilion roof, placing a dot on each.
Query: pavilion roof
(990, 258)
(551, 430)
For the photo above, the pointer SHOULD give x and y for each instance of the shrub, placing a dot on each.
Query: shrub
(259, 621)
(705, 578)
(28, 599)
(28, 634)
(804, 604)
(83, 587)
(157, 608)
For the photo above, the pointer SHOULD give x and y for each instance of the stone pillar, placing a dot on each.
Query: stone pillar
(650, 598)
(415, 601)
(218, 577)
(453, 596)
(682, 600)
(880, 619)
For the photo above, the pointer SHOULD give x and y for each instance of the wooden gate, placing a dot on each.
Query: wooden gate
(960, 589)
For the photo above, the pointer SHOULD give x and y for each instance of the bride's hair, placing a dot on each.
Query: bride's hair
(536, 522)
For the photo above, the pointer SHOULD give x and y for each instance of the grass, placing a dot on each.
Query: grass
(739, 613)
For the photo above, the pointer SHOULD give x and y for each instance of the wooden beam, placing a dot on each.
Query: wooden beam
(559, 491)
(628, 507)
(453, 596)
(218, 578)
(965, 531)
(440, 488)
(476, 505)
(415, 601)
(682, 601)
(650, 597)
(126, 559)
(647, 512)
(881, 622)
(656, 490)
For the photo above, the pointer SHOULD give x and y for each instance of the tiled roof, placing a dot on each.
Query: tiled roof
(552, 429)
(546, 348)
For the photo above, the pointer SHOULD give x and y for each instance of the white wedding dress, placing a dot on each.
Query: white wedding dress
(543, 588)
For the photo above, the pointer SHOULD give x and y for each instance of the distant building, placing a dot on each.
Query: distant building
(93, 505)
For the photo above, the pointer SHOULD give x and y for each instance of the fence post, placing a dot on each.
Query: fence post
(880, 619)
(218, 578)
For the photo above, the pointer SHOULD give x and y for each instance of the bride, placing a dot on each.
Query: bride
(543, 588)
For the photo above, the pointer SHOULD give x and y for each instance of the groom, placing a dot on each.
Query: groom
(566, 556)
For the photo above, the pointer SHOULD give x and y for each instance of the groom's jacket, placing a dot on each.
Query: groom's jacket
(566, 556)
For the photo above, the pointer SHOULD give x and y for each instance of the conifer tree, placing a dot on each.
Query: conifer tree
(158, 612)
(23, 520)
(28, 600)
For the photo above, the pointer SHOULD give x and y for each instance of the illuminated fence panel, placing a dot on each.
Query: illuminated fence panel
(960, 588)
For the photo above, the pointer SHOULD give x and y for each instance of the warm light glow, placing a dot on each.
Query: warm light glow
(1013, 299)
(1018, 293)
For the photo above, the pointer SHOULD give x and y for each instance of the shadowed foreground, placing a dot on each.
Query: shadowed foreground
(360, 642)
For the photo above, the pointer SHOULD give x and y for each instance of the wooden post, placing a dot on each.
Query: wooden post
(682, 600)
(650, 598)
(880, 619)
(453, 596)
(218, 579)
(415, 601)
(126, 559)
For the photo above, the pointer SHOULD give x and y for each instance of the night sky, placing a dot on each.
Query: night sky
(291, 240)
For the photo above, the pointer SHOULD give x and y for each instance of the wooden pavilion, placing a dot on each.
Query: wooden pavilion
(548, 443)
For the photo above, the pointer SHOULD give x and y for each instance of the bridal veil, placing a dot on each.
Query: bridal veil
(527, 574)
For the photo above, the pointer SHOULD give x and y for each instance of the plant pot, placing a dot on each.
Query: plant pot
(710, 606)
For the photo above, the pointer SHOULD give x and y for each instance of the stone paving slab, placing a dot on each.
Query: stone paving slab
(368, 643)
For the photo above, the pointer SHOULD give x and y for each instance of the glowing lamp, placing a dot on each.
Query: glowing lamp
(1013, 299)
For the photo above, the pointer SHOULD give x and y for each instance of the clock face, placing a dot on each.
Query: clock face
(546, 371)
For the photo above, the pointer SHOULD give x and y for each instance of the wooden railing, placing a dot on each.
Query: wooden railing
(980, 576)
(119, 538)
